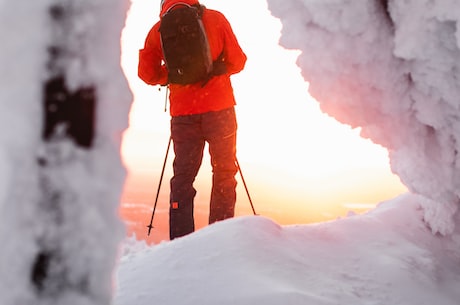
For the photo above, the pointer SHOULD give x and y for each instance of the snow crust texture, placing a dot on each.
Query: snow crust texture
(391, 68)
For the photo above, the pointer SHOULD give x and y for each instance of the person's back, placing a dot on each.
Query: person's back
(217, 94)
(200, 113)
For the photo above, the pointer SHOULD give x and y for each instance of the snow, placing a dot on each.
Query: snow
(66, 210)
(387, 256)
(394, 74)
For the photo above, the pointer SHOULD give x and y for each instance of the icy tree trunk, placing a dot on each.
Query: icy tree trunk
(61, 171)
(391, 68)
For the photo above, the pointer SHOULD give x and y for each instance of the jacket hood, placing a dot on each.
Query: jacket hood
(167, 4)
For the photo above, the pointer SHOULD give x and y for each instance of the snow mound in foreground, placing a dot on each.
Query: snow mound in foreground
(387, 256)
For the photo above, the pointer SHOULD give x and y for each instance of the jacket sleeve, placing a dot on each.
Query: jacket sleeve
(152, 69)
(234, 57)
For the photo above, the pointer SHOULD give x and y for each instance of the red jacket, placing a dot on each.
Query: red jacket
(217, 94)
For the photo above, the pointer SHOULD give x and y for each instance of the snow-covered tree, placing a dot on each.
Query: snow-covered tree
(64, 105)
(391, 68)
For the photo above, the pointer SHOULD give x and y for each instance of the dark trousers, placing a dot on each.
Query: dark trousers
(189, 134)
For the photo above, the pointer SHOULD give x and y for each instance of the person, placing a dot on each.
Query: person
(200, 113)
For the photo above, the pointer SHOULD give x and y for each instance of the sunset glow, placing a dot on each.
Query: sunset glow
(300, 165)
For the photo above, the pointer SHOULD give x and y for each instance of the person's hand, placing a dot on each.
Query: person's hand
(219, 68)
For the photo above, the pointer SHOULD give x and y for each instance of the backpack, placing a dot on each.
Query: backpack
(185, 44)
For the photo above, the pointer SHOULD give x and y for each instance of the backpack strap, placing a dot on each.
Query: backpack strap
(200, 8)
(178, 4)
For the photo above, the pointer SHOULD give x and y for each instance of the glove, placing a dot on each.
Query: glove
(219, 68)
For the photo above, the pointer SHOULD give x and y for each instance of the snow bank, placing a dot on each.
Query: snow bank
(391, 68)
(387, 256)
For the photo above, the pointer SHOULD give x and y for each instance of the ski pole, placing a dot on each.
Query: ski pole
(166, 98)
(159, 186)
(245, 186)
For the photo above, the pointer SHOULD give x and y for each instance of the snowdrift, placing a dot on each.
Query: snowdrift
(387, 256)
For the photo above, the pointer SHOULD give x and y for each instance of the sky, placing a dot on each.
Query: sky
(287, 148)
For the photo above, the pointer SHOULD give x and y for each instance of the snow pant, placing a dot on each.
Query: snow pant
(189, 134)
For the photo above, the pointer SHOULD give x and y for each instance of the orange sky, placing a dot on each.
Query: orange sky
(300, 165)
